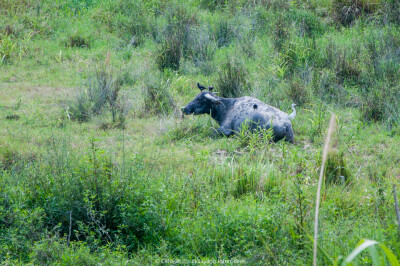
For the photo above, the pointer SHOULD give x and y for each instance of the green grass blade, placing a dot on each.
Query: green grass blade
(365, 243)
(389, 254)
(374, 255)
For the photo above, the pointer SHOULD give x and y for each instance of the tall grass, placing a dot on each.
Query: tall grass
(100, 94)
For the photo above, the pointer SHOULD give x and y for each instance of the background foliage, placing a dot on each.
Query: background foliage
(97, 166)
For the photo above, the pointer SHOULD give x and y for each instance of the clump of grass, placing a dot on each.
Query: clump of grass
(8, 158)
(100, 93)
(175, 37)
(157, 97)
(200, 49)
(170, 53)
(78, 37)
(281, 32)
(336, 171)
(198, 129)
(299, 92)
(77, 40)
(232, 80)
(7, 47)
(246, 180)
(380, 104)
(326, 88)
(223, 32)
(252, 137)
(127, 19)
(255, 180)
(345, 12)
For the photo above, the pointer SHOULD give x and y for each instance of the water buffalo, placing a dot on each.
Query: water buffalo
(231, 113)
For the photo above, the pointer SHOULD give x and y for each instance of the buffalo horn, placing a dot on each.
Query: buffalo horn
(211, 98)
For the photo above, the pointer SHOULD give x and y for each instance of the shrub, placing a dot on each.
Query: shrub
(232, 80)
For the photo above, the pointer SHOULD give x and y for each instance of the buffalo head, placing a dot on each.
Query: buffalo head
(203, 102)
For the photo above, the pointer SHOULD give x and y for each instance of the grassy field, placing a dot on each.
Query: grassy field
(97, 165)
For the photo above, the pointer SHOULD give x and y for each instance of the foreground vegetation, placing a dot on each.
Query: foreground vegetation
(98, 166)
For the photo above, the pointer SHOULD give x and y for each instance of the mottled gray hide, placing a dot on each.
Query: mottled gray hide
(231, 113)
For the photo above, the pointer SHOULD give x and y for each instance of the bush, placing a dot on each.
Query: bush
(20, 227)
